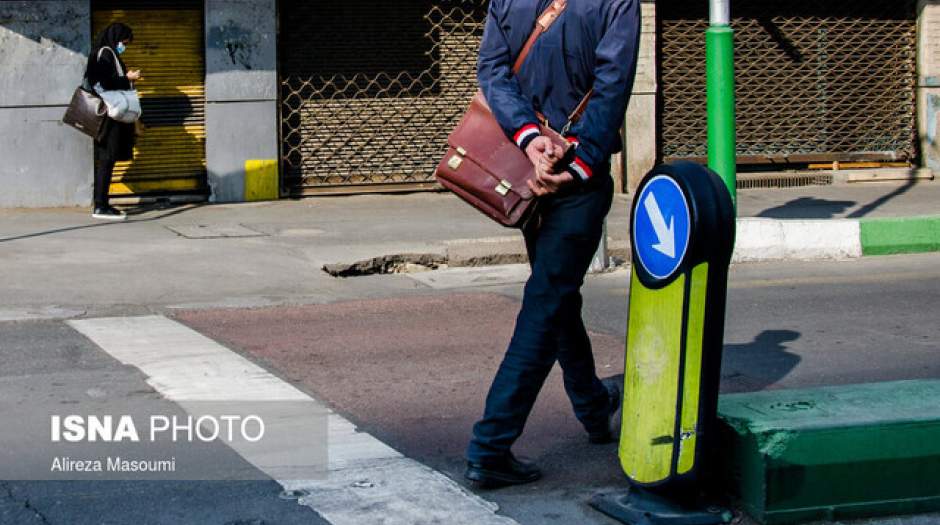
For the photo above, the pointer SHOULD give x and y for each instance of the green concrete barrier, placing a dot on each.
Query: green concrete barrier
(889, 236)
(833, 453)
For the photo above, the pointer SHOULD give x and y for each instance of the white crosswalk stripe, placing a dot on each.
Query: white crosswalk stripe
(368, 481)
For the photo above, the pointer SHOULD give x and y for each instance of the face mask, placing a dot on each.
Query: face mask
(121, 48)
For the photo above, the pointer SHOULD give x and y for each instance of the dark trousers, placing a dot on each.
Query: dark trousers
(549, 327)
(116, 144)
(103, 173)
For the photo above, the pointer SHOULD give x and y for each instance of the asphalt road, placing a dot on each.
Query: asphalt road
(413, 370)
(410, 365)
(48, 368)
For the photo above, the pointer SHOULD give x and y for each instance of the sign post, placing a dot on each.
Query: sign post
(722, 137)
(682, 228)
(601, 261)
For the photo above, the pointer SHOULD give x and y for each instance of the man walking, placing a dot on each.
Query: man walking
(592, 45)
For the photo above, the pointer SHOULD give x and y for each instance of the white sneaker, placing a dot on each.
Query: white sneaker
(109, 214)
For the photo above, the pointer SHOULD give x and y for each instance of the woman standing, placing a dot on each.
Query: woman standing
(117, 140)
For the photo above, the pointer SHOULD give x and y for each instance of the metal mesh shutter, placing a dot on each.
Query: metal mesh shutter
(816, 80)
(370, 90)
(168, 48)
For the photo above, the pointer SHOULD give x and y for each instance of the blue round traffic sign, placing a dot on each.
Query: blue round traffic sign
(661, 227)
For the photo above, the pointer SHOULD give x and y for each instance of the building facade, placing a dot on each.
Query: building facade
(262, 99)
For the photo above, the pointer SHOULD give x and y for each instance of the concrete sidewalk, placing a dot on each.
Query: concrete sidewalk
(261, 253)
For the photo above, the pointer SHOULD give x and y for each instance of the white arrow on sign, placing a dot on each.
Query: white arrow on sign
(665, 234)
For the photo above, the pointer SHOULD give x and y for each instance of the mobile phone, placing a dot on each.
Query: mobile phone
(565, 160)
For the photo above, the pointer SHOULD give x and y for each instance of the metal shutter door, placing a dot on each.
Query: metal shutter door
(370, 90)
(168, 48)
(816, 81)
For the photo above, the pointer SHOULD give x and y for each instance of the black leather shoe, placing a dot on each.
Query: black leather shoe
(607, 435)
(501, 473)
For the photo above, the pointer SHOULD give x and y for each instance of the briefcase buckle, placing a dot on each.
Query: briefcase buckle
(455, 161)
(503, 187)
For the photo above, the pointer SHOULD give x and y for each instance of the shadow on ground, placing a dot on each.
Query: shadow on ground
(759, 364)
(817, 208)
(867, 209)
(132, 215)
(808, 208)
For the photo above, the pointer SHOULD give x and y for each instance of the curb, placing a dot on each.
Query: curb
(773, 240)
(900, 235)
(758, 240)
(510, 250)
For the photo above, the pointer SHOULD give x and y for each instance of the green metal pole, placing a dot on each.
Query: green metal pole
(722, 137)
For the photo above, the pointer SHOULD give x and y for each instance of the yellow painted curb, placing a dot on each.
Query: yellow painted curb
(261, 180)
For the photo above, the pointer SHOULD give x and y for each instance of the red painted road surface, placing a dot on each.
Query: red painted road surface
(414, 373)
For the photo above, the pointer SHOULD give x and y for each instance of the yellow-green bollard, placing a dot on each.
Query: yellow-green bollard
(682, 231)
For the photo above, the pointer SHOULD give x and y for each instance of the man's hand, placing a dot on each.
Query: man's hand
(539, 147)
(546, 182)
(133, 75)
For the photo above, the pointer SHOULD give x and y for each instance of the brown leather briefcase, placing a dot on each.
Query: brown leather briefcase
(487, 170)
(483, 166)
(86, 113)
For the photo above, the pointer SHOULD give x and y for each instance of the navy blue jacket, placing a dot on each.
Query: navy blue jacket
(593, 43)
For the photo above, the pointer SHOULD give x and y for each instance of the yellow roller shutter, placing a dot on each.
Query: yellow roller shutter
(170, 156)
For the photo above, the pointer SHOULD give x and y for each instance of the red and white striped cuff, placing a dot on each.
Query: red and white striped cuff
(525, 132)
(581, 169)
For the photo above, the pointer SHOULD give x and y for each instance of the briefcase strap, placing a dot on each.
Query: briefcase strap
(544, 21)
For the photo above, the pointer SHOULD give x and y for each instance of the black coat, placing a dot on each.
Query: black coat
(117, 141)
(104, 71)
